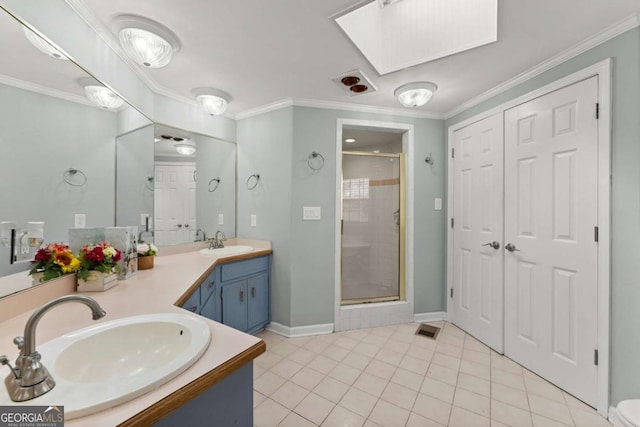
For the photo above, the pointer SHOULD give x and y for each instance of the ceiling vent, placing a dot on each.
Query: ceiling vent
(354, 83)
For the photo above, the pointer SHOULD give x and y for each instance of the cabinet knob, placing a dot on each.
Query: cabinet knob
(179, 225)
(186, 225)
(193, 308)
(211, 284)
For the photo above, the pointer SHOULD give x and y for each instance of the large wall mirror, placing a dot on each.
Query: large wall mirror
(64, 157)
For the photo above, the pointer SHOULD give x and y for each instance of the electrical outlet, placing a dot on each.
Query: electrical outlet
(220, 219)
(254, 220)
(311, 213)
(80, 221)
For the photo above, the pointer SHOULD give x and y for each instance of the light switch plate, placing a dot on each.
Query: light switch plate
(80, 221)
(438, 204)
(143, 219)
(220, 219)
(254, 220)
(311, 213)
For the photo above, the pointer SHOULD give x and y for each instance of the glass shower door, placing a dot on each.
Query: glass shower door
(372, 227)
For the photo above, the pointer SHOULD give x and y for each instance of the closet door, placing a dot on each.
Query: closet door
(477, 276)
(551, 254)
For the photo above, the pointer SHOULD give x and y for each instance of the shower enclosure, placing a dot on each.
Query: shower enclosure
(372, 227)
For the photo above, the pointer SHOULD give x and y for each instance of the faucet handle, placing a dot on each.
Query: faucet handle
(19, 342)
(5, 361)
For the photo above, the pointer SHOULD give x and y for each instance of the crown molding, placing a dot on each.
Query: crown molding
(600, 37)
(331, 105)
(43, 90)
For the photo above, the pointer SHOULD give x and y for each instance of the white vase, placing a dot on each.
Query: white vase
(97, 282)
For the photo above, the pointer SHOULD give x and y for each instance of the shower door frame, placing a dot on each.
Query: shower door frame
(400, 308)
(402, 237)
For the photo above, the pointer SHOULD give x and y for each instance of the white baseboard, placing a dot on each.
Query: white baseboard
(434, 316)
(613, 415)
(299, 331)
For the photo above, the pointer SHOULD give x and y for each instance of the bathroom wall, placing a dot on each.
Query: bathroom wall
(625, 208)
(134, 159)
(276, 145)
(41, 137)
(265, 145)
(216, 158)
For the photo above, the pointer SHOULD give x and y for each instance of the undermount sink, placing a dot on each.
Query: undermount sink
(102, 366)
(227, 250)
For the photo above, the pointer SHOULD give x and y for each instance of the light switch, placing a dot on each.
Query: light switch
(143, 219)
(80, 221)
(438, 204)
(220, 219)
(311, 213)
(254, 220)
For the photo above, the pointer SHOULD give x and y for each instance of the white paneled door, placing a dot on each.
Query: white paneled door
(551, 172)
(477, 236)
(175, 203)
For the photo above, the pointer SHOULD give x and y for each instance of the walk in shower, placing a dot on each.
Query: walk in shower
(372, 227)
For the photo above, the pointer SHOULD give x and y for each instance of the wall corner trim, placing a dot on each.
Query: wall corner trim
(300, 331)
(433, 316)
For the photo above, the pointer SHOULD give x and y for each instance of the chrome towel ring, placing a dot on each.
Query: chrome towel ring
(70, 173)
(315, 161)
(149, 183)
(215, 187)
(252, 181)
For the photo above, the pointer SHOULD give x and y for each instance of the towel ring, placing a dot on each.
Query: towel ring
(70, 173)
(429, 159)
(311, 157)
(217, 181)
(256, 177)
(149, 183)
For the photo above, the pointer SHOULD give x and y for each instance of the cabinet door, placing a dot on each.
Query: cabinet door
(193, 303)
(234, 305)
(212, 308)
(258, 290)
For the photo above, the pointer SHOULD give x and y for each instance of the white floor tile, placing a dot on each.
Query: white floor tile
(473, 402)
(432, 408)
(416, 420)
(399, 396)
(510, 415)
(370, 384)
(314, 408)
(380, 369)
(269, 414)
(474, 384)
(342, 417)
(331, 389)
(438, 389)
(286, 368)
(463, 418)
(345, 373)
(268, 383)
(289, 395)
(359, 402)
(510, 396)
(295, 420)
(550, 409)
(389, 415)
(307, 378)
(407, 379)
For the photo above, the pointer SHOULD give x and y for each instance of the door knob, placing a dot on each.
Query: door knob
(511, 247)
(494, 245)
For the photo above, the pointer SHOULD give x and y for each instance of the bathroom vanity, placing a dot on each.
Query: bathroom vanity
(217, 388)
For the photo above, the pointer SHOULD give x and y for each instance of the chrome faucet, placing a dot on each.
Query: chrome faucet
(29, 378)
(204, 235)
(216, 242)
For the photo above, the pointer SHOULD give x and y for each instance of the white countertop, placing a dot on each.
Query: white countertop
(149, 291)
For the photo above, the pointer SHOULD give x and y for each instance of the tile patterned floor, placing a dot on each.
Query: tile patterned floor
(390, 377)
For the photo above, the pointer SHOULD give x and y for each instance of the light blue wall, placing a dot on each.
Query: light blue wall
(625, 238)
(215, 158)
(41, 137)
(276, 145)
(134, 160)
(265, 147)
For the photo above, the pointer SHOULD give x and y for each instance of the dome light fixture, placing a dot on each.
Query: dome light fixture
(415, 94)
(100, 95)
(146, 42)
(42, 45)
(213, 101)
(185, 149)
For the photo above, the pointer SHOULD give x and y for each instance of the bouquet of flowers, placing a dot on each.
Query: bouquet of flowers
(54, 261)
(101, 257)
(146, 249)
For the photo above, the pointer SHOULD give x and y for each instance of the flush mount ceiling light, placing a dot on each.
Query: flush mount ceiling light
(100, 95)
(146, 42)
(350, 140)
(185, 149)
(415, 94)
(42, 45)
(213, 101)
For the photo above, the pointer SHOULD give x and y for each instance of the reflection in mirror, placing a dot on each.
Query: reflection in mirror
(177, 186)
(50, 136)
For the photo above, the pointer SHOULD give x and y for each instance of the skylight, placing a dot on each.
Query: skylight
(405, 33)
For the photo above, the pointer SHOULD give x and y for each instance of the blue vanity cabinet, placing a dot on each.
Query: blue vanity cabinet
(234, 304)
(193, 303)
(245, 294)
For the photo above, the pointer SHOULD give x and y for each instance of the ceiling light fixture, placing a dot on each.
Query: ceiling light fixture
(146, 42)
(42, 45)
(350, 140)
(213, 101)
(185, 149)
(100, 95)
(415, 94)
